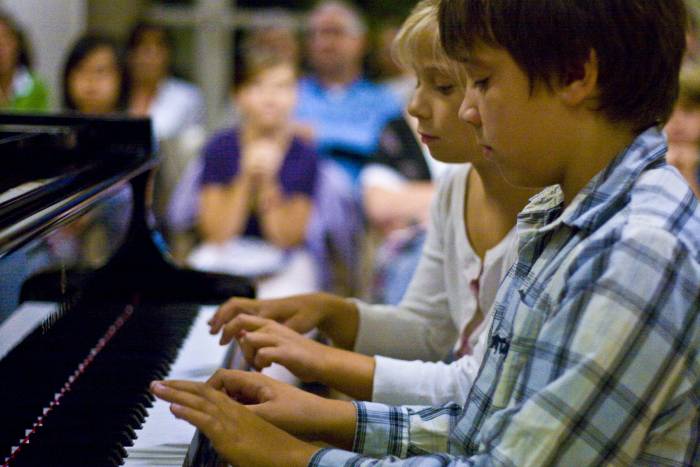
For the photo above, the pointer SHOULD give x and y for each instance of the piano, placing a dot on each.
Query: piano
(92, 307)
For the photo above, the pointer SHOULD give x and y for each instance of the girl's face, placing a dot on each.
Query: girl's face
(9, 50)
(94, 84)
(435, 104)
(267, 101)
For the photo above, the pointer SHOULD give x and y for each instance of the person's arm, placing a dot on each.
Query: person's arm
(231, 409)
(334, 316)
(264, 342)
(283, 218)
(388, 208)
(224, 209)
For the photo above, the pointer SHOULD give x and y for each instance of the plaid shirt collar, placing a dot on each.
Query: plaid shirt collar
(600, 198)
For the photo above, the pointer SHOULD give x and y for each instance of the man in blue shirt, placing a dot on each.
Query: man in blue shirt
(345, 112)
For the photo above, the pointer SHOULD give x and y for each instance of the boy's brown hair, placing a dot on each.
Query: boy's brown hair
(639, 45)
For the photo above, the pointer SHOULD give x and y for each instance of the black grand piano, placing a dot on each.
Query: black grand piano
(91, 306)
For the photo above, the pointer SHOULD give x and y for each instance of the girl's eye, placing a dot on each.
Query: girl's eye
(445, 89)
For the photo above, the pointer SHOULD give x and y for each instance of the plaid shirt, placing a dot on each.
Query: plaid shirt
(594, 345)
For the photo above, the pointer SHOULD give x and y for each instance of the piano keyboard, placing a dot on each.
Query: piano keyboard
(163, 440)
(90, 411)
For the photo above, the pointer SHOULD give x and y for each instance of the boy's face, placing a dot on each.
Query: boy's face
(435, 104)
(519, 128)
(684, 124)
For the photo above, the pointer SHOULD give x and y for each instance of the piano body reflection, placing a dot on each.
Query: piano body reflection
(91, 306)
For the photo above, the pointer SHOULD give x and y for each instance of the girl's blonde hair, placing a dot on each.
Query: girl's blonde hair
(418, 40)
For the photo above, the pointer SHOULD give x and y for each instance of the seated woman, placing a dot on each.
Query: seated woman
(172, 103)
(257, 185)
(20, 89)
(93, 83)
(93, 77)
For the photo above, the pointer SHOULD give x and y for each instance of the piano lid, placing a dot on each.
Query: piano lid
(56, 167)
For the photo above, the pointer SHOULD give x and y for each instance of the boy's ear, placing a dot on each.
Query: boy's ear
(582, 85)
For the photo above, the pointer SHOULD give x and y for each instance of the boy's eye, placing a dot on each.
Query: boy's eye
(481, 84)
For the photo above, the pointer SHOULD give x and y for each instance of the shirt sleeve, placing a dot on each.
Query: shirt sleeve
(427, 383)
(420, 326)
(220, 160)
(300, 170)
(386, 436)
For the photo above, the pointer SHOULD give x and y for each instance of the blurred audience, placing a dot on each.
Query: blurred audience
(257, 184)
(399, 80)
(683, 128)
(175, 106)
(397, 190)
(172, 103)
(20, 88)
(345, 111)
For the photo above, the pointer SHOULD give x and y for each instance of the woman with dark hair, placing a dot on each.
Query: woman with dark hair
(20, 89)
(172, 103)
(93, 77)
(93, 83)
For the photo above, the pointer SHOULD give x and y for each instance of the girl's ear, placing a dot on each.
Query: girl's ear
(583, 85)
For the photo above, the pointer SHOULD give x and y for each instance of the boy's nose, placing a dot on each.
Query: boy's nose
(469, 113)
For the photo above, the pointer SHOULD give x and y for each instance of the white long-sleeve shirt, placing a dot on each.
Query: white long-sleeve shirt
(437, 306)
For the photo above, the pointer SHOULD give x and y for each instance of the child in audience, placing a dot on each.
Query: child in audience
(683, 129)
(595, 340)
(257, 185)
(469, 248)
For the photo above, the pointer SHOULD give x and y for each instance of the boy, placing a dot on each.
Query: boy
(594, 345)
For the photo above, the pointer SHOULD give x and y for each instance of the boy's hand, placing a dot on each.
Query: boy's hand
(334, 316)
(265, 342)
(213, 406)
(239, 435)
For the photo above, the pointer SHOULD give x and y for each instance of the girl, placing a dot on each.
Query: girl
(257, 185)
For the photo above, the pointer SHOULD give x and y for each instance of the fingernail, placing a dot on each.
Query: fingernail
(158, 386)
